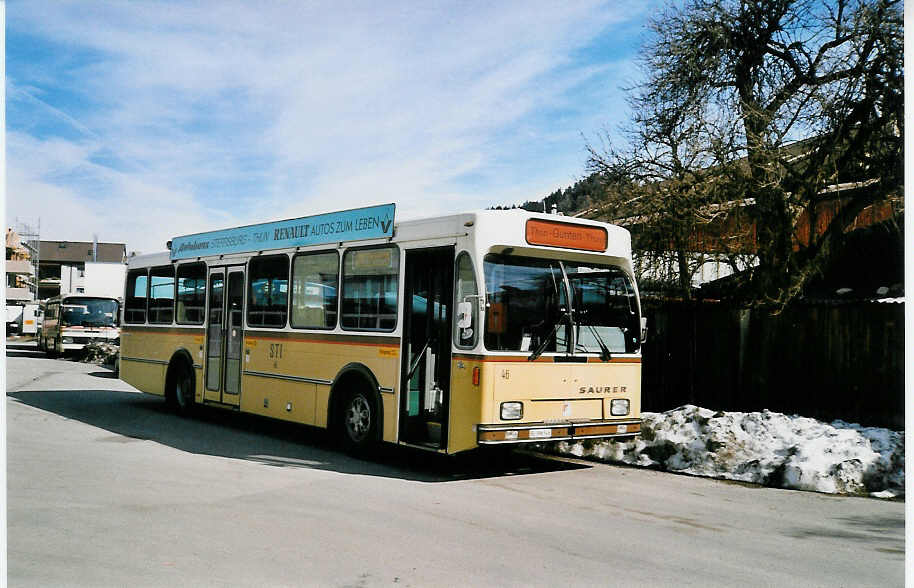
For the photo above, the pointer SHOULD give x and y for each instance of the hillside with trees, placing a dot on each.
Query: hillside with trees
(583, 194)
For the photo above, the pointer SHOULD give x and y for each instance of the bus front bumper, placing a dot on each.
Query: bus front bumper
(77, 343)
(563, 431)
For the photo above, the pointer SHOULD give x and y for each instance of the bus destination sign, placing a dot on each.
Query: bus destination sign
(568, 235)
(372, 222)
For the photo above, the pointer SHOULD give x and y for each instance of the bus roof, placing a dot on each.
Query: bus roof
(65, 297)
(516, 228)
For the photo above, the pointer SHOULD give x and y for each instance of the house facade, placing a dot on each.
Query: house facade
(81, 267)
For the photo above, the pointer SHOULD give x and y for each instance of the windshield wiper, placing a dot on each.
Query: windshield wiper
(605, 355)
(542, 346)
(565, 313)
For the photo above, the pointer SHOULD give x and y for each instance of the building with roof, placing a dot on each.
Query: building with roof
(81, 267)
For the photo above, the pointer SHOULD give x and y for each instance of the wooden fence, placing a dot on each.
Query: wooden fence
(826, 361)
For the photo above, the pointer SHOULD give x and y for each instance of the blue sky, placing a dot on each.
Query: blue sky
(145, 120)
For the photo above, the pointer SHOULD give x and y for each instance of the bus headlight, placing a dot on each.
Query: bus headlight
(512, 411)
(66, 340)
(619, 407)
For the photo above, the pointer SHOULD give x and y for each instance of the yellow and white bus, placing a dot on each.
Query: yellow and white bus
(491, 327)
(72, 321)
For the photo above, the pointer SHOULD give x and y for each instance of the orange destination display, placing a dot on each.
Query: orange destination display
(570, 236)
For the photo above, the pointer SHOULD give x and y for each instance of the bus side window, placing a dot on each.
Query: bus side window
(369, 300)
(135, 303)
(162, 294)
(191, 293)
(268, 291)
(315, 278)
(466, 333)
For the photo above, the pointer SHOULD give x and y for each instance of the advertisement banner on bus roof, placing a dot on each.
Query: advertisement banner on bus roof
(371, 222)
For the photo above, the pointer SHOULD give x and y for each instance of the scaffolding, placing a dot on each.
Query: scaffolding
(30, 238)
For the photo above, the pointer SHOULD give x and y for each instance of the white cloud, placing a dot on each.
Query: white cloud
(135, 211)
(198, 116)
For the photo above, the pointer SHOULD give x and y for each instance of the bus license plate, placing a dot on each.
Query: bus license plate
(621, 428)
(540, 433)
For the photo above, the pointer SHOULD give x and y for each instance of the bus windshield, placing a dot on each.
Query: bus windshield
(529, 310)
(89, 312)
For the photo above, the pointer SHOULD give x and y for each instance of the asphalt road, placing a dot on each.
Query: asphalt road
(108, 488)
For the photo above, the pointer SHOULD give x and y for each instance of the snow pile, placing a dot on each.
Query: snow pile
(767, 448)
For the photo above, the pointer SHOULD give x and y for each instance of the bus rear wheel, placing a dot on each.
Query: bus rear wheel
(359, 422)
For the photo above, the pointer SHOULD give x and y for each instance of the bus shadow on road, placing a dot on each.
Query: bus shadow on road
(273, 443)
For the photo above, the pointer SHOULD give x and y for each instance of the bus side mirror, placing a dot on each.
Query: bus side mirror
(464, 315)
(643, 329)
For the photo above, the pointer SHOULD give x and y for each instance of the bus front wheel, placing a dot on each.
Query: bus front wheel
(181, 393)
(359, 426)
(51, 350)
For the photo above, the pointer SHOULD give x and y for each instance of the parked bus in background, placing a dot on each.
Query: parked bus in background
(72, 321)
(485, 328)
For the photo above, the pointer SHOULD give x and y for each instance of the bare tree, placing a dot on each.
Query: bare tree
(758, 112)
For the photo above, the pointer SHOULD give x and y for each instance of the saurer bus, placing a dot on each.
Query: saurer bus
(447, 333)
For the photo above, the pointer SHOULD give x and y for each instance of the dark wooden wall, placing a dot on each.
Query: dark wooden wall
(828, 361)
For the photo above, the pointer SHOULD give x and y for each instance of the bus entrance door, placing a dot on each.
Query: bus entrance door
(224, 335)
(426, 364)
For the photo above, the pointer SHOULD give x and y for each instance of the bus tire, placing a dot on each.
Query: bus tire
(359, 421)
(181, 388)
